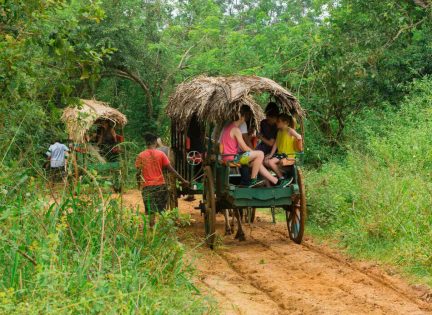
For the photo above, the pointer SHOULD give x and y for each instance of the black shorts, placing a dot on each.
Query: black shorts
(280, 156)
(155, 198)
(56, 173)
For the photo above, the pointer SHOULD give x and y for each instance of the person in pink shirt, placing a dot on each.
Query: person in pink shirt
(232, 143)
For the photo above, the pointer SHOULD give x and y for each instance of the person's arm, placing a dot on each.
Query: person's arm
(113, 134)
(273, 150)
(138, 175)
(245, 134)
(247, 139)
(165, 163)
(239, 137)
(172, 170)
(269, 142)
(48, 154)
(266, 129)
(299, 139)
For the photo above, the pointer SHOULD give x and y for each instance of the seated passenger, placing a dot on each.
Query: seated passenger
(107, 140)
(288, 141)
(232, 142)
(268, 129)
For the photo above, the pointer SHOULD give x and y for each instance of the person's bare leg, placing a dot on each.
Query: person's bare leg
(273, 163)
(267, 175)
(256, 161)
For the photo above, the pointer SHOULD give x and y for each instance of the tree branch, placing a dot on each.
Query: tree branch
(179, 67)
(24, 254)
(403, 29)
(422, 3)
(129, 75)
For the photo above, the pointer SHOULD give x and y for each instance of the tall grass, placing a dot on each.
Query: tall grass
(378, 201)
(52, 260)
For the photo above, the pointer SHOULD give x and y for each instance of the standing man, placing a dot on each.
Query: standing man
(150, 164)
(57, 155)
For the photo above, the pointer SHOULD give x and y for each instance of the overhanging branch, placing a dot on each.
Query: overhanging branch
(129, 75)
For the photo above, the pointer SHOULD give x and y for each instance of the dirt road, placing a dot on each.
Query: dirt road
(268, 274)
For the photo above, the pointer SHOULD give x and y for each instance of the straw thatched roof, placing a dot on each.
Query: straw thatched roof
(217, 99)
(79, 119)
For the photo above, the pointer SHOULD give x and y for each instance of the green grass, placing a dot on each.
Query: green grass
(377, 203)
(52, 260)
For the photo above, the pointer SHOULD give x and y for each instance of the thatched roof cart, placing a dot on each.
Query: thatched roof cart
(79, 119)
(216, 99)
(199, 107)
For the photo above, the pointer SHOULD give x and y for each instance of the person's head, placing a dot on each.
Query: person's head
(150, 139)
(105, 124)
(159, 142)
(272, 112)
(244, 114)
(285, 121)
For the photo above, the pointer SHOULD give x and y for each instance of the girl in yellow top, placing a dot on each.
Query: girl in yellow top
(288, 141)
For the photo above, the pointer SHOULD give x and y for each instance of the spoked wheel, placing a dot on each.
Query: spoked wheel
(296, 212)
(210, 207)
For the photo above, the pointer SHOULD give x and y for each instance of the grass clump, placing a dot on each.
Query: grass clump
(378, 201)
(87, 255)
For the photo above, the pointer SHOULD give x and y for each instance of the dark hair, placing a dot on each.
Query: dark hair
(272, 106)
(272, 110)
(150, 138)
(245, 111)
(287, 119)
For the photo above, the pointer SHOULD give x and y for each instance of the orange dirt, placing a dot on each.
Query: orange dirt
(269, 274)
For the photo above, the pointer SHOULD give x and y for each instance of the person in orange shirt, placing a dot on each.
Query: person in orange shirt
(150, 164)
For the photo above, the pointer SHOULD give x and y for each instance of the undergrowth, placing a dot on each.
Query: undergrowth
(87, 254)
(378, 201)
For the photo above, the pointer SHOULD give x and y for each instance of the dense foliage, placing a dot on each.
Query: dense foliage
(351, 63)
(46, 59)
(378, 201)
(339, 57)
(89, 255)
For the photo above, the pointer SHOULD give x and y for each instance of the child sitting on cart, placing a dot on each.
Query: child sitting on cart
(232, 143)
(288, 142)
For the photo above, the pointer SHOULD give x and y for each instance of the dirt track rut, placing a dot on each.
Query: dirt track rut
(268, 274)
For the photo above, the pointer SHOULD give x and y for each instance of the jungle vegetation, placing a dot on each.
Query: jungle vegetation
(361, 69)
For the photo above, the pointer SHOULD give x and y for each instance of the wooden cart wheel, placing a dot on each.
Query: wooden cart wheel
(210, 207)
(296, 212)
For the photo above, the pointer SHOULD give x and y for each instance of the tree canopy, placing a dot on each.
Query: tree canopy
(338, 57)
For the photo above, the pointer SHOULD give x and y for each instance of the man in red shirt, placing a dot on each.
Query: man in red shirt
(150, 164)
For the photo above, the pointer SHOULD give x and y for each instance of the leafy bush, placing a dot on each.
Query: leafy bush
(378, 201)
(79, 256)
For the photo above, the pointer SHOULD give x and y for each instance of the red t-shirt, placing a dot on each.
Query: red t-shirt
(151, 162)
